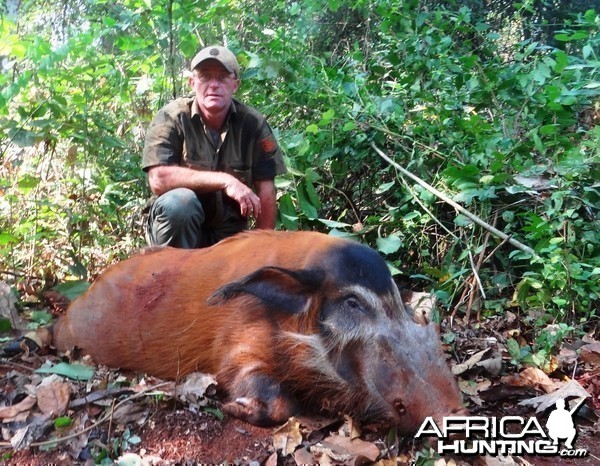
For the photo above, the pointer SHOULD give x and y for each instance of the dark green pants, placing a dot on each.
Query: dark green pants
(177, 218)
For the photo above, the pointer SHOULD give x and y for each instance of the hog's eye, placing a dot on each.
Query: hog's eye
(354, 305)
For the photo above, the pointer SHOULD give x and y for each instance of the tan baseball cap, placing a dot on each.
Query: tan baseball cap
(215, 52)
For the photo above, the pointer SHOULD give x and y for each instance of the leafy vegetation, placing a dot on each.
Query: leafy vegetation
(498, 114)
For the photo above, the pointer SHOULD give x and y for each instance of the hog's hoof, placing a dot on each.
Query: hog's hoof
(251, 410)
(261, 413)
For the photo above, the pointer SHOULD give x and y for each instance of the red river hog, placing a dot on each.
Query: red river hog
(286, 321)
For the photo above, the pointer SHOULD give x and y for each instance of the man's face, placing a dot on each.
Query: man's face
(214, 86)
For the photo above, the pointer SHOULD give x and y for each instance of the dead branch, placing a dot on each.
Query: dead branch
(458, 207)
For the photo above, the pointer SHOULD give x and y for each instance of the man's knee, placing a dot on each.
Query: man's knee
(176, 219)
(178, 206)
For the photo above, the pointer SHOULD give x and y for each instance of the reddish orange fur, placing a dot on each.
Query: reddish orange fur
(140, 296)
(154, 313)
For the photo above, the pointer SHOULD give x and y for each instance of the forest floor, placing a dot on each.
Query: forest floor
(115, 417)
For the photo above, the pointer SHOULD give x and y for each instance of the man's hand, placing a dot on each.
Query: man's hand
(245, 197)
(163, 178)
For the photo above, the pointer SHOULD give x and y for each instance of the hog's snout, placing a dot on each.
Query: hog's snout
(411, 376)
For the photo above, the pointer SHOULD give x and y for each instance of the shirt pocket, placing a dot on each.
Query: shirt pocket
(241, 173)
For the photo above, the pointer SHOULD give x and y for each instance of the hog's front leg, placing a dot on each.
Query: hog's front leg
(260, 400)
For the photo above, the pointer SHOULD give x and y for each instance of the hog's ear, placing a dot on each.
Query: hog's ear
(278, 288)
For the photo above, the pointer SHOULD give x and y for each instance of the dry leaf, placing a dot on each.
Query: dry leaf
(288, 437)
(196, 387)
(443, 462)
(344, 447)
(531, 378)
(24, 405)
(493, 364)
(392, 461)
(303, 456)
(77, 443)
(504, 461)
(32, 432)
(272, 460)
(53, 396)
(325, 460)
(570, 389)
(98, 395)
(473, 388)
(326, 454)
(422, 305)
(315, 423)
(567, 356)
(552, 365)
(538, 379)
(129, 412)
(590, 353)
(8, 307)
(534, 182)
(350, 428)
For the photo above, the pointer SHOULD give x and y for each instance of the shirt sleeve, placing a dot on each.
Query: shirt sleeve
(269, 157)
(164, 141)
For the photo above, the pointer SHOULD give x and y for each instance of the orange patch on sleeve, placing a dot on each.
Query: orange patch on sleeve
(268, 144)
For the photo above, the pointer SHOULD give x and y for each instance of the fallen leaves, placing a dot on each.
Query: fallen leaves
(531, 377)
(342, 447)
(590, 353)
(567, 390)
(53, 395)
(10, 412)
(195, 388)
(346, 450)
(64, 406)
(500, 369)
(493, 353)
(287, 437)
(27, 423)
